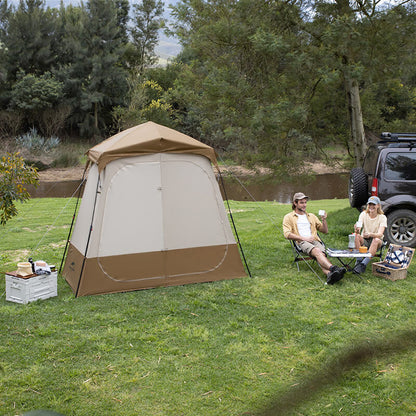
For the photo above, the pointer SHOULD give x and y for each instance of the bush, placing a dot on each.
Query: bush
(14, 174)
(37, 164)
(35, 143)
(66, 160)
(10, 123)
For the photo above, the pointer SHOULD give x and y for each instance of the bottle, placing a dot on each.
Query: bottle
(351, 241)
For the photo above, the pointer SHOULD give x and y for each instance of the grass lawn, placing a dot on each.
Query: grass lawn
(222, 348)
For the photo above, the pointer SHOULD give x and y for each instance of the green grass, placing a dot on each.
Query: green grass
(222, 348)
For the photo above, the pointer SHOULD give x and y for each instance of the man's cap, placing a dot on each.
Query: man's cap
(373, 200)
(299, 195)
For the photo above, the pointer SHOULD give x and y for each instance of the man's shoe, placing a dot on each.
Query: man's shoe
(331, 277)
(359, 268)
(335, 275)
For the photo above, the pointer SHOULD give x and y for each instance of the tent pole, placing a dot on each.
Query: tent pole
(73, 216)
(234, 226)
(89, 237)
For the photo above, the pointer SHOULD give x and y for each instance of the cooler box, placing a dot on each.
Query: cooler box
(395, 264)
(30, 288)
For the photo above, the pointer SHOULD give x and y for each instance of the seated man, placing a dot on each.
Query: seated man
(373, 222)
(303, 228)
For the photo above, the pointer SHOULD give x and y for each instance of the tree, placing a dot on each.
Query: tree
(30, 39)
(72, 69)
(365, 41)
(104, 82)
(4, 18)
(280, 80)
(144, 32)
(40, 99)
(123, 8)
(246, 79)
(147, 103)
(35, 93)
(14, 175)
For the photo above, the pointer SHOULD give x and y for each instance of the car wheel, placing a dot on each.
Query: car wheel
(401, 227)
(358, 188)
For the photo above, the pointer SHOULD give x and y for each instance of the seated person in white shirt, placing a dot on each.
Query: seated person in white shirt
(373, 222)
(302, 227)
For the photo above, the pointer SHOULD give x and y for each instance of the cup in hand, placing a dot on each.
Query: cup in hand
(358, 224)
(321, 212)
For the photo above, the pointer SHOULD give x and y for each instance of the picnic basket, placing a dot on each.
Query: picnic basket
(395, 264)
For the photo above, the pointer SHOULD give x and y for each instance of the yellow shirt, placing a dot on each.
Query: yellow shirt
(290, 224)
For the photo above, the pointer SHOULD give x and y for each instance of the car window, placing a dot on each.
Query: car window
(400, 166)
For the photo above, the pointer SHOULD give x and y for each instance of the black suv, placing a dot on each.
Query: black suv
(389, 172)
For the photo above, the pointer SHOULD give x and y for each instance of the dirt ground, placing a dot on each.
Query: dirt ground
(75, 173)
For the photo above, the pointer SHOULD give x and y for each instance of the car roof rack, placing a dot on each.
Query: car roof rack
(398, 137)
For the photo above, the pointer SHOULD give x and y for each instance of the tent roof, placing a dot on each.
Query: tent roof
(147, 138)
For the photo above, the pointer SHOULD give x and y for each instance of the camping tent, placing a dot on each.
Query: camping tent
(151, 215)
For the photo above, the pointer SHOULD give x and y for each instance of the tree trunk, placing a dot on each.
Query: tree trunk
(356, 120)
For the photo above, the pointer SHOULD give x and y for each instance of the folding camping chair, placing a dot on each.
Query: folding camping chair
(300, 256)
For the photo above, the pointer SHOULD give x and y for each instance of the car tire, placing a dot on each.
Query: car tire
(358, 188)
(401, 227)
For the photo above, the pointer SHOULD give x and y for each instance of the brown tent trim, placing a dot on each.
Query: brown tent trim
(154, 269)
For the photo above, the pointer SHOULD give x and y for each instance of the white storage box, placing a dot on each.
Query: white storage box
(30, 288)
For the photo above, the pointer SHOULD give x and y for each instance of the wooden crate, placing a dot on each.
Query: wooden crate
(395, 264)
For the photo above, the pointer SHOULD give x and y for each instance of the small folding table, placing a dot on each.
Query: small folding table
(346, 257)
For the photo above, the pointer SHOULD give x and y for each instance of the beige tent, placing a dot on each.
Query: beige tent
(151, 215)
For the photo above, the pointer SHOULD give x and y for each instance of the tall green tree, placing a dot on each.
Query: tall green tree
(246, 79)
(104, 82)
(123, 9)
(72, 69)
(4, 21)
(146, 22)
(29, 50)
(282, 79)
(365, 41)
(5, 11)
(30, 39)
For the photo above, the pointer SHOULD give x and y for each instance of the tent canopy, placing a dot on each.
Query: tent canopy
(147, 138)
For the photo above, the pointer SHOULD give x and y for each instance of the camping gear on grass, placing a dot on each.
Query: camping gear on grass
(395, 264)
(23, 286)
(24, 269)
(41, 267)
(151, 215)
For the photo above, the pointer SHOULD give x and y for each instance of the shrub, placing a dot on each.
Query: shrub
(37, 164)
(66, 160)
(10, 123)
(14, 174)
(35, 143)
